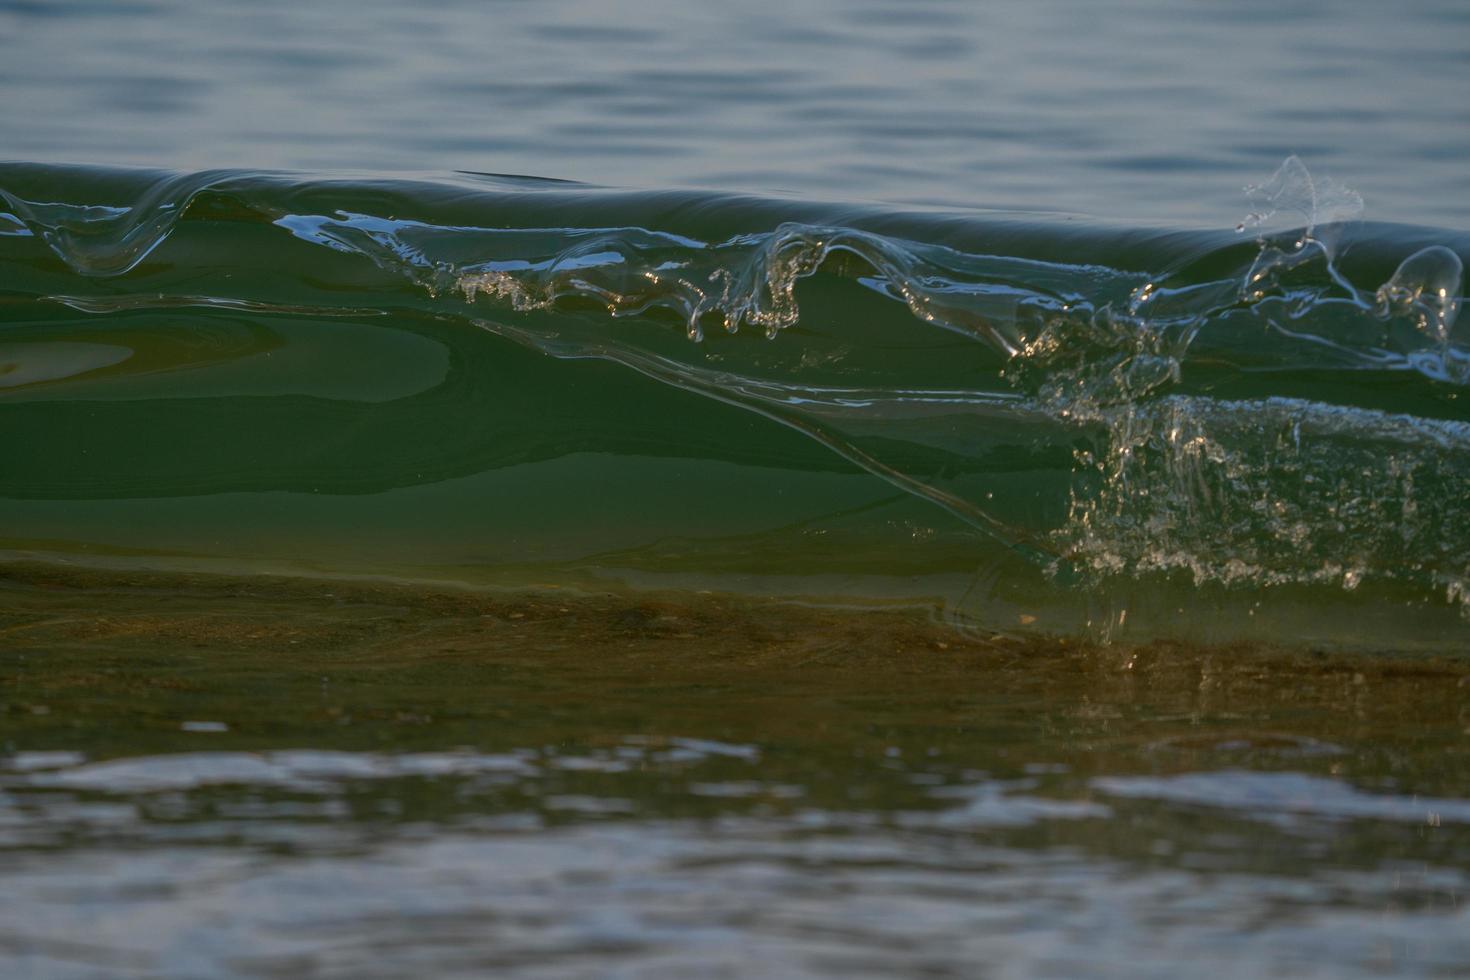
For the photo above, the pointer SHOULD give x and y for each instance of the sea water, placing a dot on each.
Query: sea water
(565, 489)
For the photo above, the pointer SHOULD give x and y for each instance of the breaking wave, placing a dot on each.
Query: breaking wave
(1287, 404)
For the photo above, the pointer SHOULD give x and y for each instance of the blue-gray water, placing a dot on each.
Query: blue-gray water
(876, 495)
(1140, 111)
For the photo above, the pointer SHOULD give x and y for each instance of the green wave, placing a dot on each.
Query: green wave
(1036, 422)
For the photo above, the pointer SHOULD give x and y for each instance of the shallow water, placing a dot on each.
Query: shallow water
(876, 498)
(263, 778)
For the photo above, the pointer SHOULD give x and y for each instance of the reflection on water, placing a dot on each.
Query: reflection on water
(211, 377)
(204, 778)
(1127, 111)
(28, 364)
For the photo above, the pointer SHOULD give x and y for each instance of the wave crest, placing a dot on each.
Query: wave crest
(1260, 415)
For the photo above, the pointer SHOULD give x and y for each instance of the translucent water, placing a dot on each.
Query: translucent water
(876, 499)
(1017, 421)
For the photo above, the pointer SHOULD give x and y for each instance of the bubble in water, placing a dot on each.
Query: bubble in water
(1426, 286)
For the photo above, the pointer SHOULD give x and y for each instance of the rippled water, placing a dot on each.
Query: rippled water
(263, 778)
(660, 564)
(1135, 111)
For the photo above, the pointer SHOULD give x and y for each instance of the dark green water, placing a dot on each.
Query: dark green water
(408, 570)
(1203, 436)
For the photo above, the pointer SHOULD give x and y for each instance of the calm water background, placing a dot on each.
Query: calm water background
(222, 775)
(1141, 111)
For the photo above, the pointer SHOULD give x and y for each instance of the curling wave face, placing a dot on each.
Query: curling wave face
(1283, 406)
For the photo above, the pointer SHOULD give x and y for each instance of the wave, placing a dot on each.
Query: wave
(1282, 405)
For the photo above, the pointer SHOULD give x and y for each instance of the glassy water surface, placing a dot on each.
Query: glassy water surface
(872, 497)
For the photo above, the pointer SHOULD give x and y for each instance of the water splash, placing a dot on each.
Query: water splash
(747, 280)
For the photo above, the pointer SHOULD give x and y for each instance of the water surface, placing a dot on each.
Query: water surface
(1137, 112)
(265, 778)
(873, 497)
